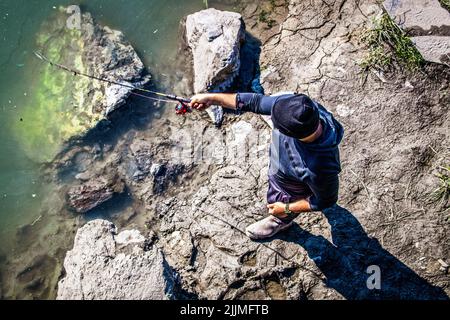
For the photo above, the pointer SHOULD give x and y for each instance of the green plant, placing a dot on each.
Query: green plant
(270, 23)
(445, 4)
(272, 4)
(264, 17)
(443, 191)
(387, 44)
(205, 2)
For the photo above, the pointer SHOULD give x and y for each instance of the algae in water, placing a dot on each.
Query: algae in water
(62, 106)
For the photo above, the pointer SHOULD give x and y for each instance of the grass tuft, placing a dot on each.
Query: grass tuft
(443, 191)
(445, 4)
(264, 16)
(272, 4)
(388, 44)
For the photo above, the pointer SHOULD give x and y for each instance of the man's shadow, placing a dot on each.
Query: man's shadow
(345, 262)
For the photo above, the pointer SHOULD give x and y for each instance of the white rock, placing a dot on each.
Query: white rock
(215, 40)
(429, 24)
(344, 110)
(408, 85)
(97, 270)
(420, 16)
(154, 168)
(129, 237)
(443, 263)
(240, 131)
(115, 96)
(433, 48)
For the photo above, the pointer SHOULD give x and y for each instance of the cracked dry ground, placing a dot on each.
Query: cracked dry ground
(395, 139)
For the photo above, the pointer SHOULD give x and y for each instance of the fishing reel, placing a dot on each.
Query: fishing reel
(182, 108)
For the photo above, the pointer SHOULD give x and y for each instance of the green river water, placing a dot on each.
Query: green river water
(152, 28)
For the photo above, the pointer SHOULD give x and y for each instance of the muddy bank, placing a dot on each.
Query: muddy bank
(386, 214)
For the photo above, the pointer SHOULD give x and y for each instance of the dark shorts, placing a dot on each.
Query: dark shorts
(286, 191)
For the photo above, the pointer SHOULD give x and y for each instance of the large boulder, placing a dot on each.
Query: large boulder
(106, 265)
(61, 106)
(419, 17)
(215, 39)
(433, 48)
(429, 24)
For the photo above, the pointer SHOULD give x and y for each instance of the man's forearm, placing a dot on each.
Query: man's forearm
(300, 206)
(226, 100)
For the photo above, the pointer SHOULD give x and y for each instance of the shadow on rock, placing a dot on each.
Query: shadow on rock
(136, 114)
(345, 262)
(249, 72)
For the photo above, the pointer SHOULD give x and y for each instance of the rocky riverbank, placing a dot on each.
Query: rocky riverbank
(189, 188)
(429, 25)
(379, 220)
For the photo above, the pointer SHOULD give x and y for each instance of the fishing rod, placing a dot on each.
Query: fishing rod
(181, 107)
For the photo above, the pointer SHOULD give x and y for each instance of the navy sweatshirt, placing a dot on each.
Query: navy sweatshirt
(315, 166)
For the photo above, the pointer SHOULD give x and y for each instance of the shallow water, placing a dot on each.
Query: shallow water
(152, 28)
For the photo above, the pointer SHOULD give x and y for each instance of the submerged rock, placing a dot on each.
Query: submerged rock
(215, 39)
(104, 265)
(164, 175)
(145, 167)
(89, 195)
(31, 277)
(62, 106)
(142, 163)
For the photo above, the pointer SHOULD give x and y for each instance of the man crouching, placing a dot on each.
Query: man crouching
(304, 156)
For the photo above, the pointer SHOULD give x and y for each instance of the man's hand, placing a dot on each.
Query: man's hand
(277, 209)
(202, 101)
(205, 100)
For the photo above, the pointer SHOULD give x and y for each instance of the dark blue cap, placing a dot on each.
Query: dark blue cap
(296, 116)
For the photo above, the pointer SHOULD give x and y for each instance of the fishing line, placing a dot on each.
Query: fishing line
(169, 97)
(152, 98)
